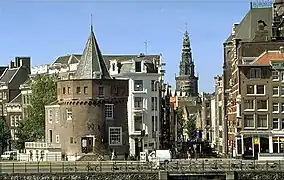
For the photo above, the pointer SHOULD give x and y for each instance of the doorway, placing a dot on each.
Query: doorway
(138, 147)
(87, 144)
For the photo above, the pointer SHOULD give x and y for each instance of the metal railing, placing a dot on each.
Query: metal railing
(137, 166)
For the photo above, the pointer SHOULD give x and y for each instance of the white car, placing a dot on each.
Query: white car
(9, 155)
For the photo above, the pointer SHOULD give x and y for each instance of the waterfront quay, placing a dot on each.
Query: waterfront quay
(182, 170)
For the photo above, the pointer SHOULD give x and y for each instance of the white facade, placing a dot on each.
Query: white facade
(214, 125)
(143, 102)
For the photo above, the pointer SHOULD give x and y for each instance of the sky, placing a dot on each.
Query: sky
(46, 29)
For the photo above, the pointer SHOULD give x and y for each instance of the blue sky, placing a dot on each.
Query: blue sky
(47, 29)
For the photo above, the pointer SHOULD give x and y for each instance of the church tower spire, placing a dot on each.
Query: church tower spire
(187, 81)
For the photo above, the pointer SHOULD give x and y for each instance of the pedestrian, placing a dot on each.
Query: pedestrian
(112, 155)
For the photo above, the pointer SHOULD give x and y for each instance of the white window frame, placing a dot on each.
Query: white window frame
(253, 117)
(57, 116)
(50, 115)
(4, 95)
(273, 104)
(134, 120)
(16, 120)
(109, 111)
(274, 75)
(69, 114)
(266, 122)
(266, 105)
(264, 90)
(254, 92)
(278, 122)
(57, 139)
(274, 88)
(120, 136)
(134, 88)
(12, 120)
(281, 91)
(99, 93)
(281, 107)
(253, 101)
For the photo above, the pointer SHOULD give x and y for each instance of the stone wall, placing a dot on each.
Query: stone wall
(81, 176)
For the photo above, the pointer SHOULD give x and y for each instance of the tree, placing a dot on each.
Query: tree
(5, 134)
(43, 93)
(190, 127)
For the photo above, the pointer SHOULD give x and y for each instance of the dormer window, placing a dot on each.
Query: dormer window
(138, 66)
(255, 73)
(113, 66)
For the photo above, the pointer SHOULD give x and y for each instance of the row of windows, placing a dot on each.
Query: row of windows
(259, 104)
(115, 136)
(277, 91)
(138, 103)
(14, 119)
(108, 113)
(138, 85)
(258, 120)
(255, 89)
(257, 73)
(3, 95)
(277, 76)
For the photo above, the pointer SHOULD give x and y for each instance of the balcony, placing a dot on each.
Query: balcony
(40, 145)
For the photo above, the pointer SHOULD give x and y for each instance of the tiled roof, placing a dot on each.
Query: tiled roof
(91, 63)
(266, 57)
(8, 75)
(249, 24)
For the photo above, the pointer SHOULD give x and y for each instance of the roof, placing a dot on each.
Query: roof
(92, 65)
(8, 75)
(249, 24)
(267, 56)
(68, 59)
(17, 99)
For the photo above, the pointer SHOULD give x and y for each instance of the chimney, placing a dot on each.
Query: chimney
(281, 49)
(11, 65)
(234, 28)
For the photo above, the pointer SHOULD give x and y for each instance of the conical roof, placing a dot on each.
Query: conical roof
(92, 65)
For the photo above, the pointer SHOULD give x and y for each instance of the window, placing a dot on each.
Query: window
(109, 111)
(275, 107)
(115, 135)
(275, 75)
(255, 73)
(85, 90)
(69, 113)
(71, 140)
(101, 91)
(16, 121)
(78, 90)
(1, 95)
(50, 136)
(278, 144)
(282, 91)
(248, 105)
(138, 85)
(282, 107)
(275, 91)
(260, 89)
(12, 119)
(154, 85)
(49, 115)
(250, 89)
(57, 116)
(261, 121)
(4, 95)
(154, 123)
(154, 103)
(262, 104)
(138, 66)
(138, 122)
(282, 125)
(113, 66)
(69, 90)
(138, 102)
(275, 124)
(57, 138)
(248, 121)
(64, 90)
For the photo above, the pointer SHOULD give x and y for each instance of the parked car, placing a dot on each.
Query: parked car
(9, 155)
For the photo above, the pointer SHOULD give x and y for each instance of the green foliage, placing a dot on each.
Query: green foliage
(43, 93)
(187, 124)
(5, 134)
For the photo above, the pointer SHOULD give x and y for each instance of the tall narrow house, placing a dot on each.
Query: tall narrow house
(90, 115)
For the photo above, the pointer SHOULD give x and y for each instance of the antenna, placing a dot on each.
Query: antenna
(186, 27)
(146, 46)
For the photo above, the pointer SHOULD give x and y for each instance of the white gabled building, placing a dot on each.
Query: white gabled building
(145, 74)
